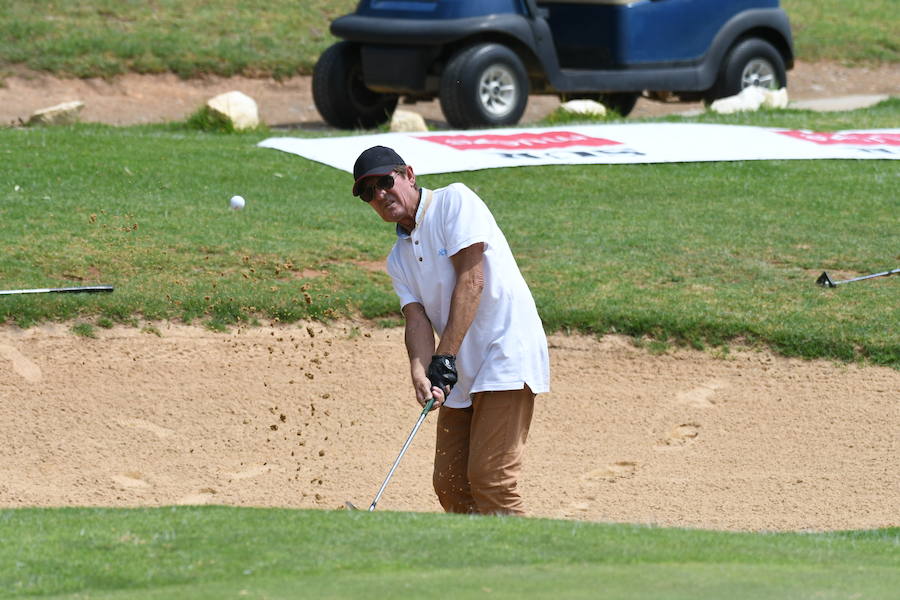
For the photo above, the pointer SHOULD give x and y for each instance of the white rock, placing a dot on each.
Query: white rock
(61, 114)
(776, 98)
(405, 120)
(584, 107)
(238, 107)
(750, 98)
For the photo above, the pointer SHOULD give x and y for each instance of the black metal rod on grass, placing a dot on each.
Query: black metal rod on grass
(90, 289)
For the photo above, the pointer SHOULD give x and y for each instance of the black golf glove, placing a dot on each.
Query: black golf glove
(442, 372)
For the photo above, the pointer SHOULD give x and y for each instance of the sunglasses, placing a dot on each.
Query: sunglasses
(367, 192)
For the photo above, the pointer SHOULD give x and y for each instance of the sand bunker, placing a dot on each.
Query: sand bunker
(285, 416)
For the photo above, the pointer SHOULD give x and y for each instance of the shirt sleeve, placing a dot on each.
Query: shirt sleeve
(466, 219)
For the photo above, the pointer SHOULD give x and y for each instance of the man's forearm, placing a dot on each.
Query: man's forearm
(463, 307)
(419, 337)
(466, 297)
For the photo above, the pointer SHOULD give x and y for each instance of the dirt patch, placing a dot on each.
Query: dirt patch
(135, 99)
(310, 416)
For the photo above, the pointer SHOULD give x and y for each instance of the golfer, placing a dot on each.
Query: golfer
(456, 276)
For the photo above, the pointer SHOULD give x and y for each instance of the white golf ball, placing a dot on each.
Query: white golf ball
(237, 202)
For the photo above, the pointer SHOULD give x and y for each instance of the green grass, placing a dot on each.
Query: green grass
(84, 330)
(848, 32)
(284, 37)
(216, 552)
(188, 37)
(702, 254)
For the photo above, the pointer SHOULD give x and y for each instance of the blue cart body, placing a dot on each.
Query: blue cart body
(687, 49)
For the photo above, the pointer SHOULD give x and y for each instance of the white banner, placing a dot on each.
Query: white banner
(448, 151)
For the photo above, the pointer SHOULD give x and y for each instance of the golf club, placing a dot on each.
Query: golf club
(409, 440)
(67, 290)
(825, 280)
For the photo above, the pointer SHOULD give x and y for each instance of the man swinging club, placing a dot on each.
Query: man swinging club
(456, 276)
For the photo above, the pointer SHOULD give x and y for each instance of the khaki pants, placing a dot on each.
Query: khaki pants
(478, 453)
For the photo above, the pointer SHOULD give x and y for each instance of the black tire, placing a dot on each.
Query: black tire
(621, 102)
(484, 85)
(340, 95)
(752, 61)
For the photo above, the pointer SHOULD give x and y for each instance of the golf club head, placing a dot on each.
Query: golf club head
(825, 280)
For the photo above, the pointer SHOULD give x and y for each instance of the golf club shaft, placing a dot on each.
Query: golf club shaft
(882, 274)
(826, 281)
(409, 440)
(68, 290)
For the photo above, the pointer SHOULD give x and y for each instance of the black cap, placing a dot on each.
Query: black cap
(377, 160)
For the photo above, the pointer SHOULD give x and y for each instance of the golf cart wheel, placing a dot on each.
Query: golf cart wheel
(621, 102)
(340, 94)
(752, 62)
(484, 85)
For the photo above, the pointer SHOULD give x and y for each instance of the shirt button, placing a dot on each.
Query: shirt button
(420, 259)
(417, 242)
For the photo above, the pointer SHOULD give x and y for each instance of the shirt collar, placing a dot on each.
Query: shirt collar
(402, 233)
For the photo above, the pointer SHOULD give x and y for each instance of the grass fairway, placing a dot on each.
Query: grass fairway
(188, 37)
(703, 253)
(217, 552)
(102, 38)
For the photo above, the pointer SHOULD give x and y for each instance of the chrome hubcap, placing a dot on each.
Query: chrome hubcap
(497, 90)
(759, 73)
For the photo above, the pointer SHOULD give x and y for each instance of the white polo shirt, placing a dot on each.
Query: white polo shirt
(505, 347)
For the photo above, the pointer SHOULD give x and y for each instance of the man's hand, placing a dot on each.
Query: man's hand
(442, 372)
(425, 391)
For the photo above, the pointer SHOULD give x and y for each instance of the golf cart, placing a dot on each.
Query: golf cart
(482, 58)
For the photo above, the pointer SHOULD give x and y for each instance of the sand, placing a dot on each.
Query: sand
(313, 415)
